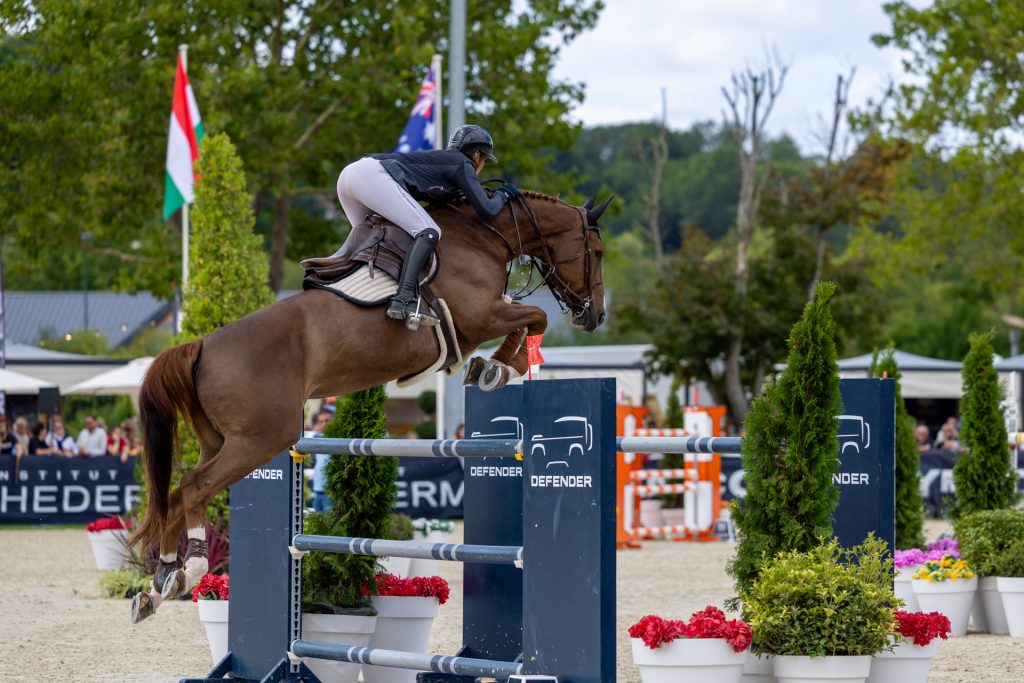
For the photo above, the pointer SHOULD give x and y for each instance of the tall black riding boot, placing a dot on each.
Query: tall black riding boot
(406, 304)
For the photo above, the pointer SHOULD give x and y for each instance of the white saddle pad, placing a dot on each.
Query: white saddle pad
(362, 289)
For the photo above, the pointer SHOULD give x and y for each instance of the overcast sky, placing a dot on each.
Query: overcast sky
(691, 47)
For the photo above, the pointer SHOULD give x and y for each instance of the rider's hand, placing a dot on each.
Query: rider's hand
(509, 190)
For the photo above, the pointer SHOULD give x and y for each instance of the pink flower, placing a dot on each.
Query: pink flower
(920, 627)
(108, 523)
(211, 587)
(416, 586)
(708, 623)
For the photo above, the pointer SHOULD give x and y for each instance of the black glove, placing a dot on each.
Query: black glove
(509, 190)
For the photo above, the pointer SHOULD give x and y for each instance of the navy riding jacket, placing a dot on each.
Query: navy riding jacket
(440, 176)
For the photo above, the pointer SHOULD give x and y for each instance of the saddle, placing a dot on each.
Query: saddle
(365, 271)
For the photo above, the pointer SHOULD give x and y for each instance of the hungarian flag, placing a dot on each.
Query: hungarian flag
(182, 144)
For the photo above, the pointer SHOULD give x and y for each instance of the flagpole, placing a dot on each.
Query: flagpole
(439, 141)
(183, 52)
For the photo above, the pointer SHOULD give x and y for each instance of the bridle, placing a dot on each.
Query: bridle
(568, 299)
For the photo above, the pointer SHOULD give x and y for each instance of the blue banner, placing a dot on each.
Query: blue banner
(46, 489)
(429, 487)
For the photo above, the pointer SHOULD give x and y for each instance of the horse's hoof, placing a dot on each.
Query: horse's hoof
(473, 371)
(142, 607)
(494, 377)
(175, 585)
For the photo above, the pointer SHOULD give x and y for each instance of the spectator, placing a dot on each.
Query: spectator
(116, 443)
(58, 440)
(37, 441)
(460, 432)
(950, 437)
(21, 433)
(128, 430)
(134, 449)
(8, 442)
(321, 501)
(924, 437)
(92, 440)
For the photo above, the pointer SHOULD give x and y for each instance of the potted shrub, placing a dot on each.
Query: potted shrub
(983, 536)
(1009, 567)
(706, 648)
(911, 657)
(109, 541)
(211, 598)
(336, 588)
(946, 585)
(822, 613)
(406, 608)
(907, 562)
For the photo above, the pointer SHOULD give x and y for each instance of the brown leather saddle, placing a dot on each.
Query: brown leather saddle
(377, 244)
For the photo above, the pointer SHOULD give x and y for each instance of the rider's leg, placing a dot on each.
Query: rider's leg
(355, 210)
(406, 301)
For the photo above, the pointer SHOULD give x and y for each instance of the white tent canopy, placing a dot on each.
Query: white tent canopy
(15, 383)
(920, 376)
(120, 381)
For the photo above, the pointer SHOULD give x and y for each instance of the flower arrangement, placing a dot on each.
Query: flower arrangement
(915, 556)
(708, 623)
(416, 586)
(949, 568)
(108, 524)
(921, 628)
(946, 545)
(211, 587)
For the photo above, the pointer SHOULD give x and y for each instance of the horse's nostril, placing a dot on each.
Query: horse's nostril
(600, 319)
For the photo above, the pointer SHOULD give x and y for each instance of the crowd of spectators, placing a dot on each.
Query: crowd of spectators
(52, 438)
(947, 438)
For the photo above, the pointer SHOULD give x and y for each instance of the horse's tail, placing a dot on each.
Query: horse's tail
(167, 390)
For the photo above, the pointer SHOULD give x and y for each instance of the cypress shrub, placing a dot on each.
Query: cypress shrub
(363, 491)
(790, 450)
(909, 505)
(673, 419)
(983, 474)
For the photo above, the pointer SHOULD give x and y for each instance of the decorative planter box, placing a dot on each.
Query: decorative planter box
(339, 629)
(1011, 590)
(709, 660)
(403, 623)
(952, 598)
(907, 663)
(214, 615)
(108, 548)
(793, 669)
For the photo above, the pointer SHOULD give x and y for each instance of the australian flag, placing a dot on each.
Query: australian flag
(418, 134)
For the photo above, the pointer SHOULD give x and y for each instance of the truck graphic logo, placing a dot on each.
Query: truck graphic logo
(581, 438)
(854, 433)
(513, 423)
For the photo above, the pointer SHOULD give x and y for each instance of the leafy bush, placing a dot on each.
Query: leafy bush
(825, 601)
(363, 491)
(401, 528)
(984, 476)
(124, 583)
(984, 535)
(1010, 562)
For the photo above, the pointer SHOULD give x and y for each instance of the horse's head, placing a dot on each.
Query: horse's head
(568, 247)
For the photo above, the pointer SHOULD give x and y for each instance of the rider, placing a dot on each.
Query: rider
(393, 184)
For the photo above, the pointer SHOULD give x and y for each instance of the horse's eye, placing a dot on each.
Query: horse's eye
(600, 254)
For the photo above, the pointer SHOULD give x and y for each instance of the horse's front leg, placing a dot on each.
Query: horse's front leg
(515, 322)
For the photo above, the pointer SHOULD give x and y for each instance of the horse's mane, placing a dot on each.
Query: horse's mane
(529, 194)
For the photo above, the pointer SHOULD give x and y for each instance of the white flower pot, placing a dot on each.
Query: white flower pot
(1011, 590)
(987, 611)
(399, 566)
(795, 669)
(339, 629)
(650, 513)
(907, 663)
(420, 567)
(214, 615)
(952, 597)
(403, 623)
(759, 669)
(108, 547)
(708, 660)
(901, 586)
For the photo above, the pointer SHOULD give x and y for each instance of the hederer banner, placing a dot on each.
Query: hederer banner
(45, 489)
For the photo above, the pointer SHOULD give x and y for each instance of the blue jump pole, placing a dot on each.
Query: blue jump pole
(455, 552)
(412, 448)
(442, 664)
(677, 444)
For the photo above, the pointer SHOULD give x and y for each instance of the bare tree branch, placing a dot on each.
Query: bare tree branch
(320, 120)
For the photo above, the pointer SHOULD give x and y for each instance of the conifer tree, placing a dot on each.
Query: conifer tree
(983, 474)
(671, 461)
(363, 492)
(909, 506)
(790, 450)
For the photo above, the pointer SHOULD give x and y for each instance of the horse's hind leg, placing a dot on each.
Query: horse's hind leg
(236, 458)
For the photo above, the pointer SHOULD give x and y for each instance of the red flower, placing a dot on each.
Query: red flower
(416, 586)
(107, 523)
(211, 587)
(920, 627)
(708, 623)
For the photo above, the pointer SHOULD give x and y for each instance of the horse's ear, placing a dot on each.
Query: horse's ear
(594, 214)
(589, 204)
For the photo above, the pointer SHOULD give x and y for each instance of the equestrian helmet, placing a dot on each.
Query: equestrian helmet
(471, 139)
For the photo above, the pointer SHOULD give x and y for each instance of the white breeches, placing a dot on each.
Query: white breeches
(365, 187)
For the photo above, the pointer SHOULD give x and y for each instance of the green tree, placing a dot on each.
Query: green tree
(983, 475)
(303, 87)
(909, 506)
(228, 268)
(671, 461)
(363, 492)
(790, 450)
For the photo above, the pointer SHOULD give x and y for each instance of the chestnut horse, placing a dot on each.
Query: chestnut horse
(243, 387)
